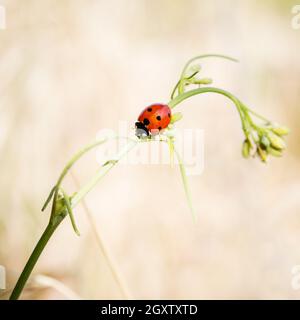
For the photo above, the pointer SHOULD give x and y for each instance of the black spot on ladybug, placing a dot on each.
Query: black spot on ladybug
(159, 128)
(169, 115)
(158, 118)
(149, 109)
(146, 121)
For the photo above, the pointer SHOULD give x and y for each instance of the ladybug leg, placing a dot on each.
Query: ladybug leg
(160, 137)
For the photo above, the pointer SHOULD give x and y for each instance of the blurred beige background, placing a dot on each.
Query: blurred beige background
(70, 68)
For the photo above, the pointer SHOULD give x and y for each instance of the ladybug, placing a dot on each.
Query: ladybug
(153, 119)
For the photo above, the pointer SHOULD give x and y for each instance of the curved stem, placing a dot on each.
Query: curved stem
(175, 88)
(101, 173)
(205, 56)
(256, 114)
(173, 103)
(51, 227)
(179, 83)
(69, 165)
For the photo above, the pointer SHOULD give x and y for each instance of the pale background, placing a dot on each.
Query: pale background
(70, 68)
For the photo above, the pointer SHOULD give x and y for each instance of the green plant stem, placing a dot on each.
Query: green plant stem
(102, 172)
(173, 103)
(205, 56)
(51, 227)
(256, 114)
(57, 218)
(179, 84)
(69, 165)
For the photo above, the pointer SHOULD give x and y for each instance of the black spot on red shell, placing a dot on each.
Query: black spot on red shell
(158, 118)
(149, 109)
(146, 121)
(159, 128)
(169, 115)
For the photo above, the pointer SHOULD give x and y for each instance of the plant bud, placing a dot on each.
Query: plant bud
(246, 149)
(264, 142)
(192, 70)
(276, 142)
(281, 131)
(203, 81)
(262, 154)
(176, 117)
(274, 152)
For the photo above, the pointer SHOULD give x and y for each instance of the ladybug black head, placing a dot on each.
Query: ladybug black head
(141, 130)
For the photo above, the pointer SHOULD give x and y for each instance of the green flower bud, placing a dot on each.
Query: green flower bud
(176, 117)
(276, 142)
(264, 143)
(274, 152)
(246, 149)
(203, 81)
(194, 69)
(262, 154)
(281, 131)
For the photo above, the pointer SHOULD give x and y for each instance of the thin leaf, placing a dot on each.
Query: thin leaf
(70, 211)
(171, 148)
(185, 182)
(49, 198)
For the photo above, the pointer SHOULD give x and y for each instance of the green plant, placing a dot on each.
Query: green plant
(262, 138)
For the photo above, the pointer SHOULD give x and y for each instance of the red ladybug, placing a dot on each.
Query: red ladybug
(154, 118)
